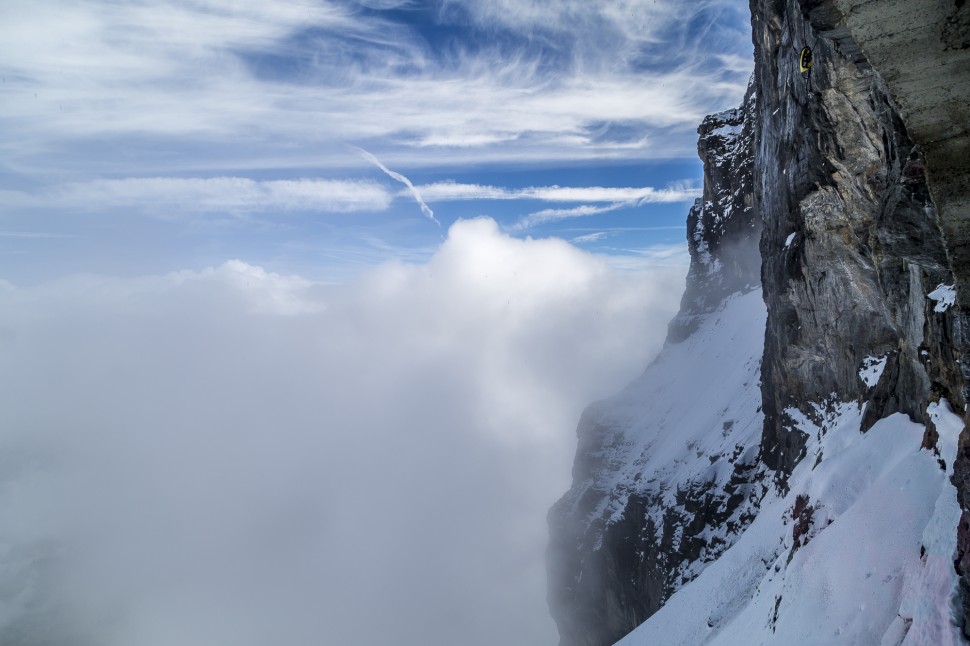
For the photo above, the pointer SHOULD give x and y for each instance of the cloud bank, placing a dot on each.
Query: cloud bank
(232, 457)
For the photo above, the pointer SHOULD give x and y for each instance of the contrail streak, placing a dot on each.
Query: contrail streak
(401, 178)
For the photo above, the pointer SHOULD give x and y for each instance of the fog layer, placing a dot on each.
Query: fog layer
(232, 457)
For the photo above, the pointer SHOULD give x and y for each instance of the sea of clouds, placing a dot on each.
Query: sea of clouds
(234, 457)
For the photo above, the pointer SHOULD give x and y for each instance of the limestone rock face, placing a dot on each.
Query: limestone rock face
(847, 198)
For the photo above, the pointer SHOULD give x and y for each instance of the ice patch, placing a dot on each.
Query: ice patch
(871, 370)
(944, 295)
(788, 240)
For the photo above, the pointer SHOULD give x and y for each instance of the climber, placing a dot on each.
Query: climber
(805, 64)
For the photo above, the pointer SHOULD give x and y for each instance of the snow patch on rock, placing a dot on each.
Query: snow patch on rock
(871, 370)
(944, 296)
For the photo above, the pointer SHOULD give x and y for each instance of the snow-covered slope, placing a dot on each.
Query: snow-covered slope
(859, 551)
(664, 476)
(693, 417)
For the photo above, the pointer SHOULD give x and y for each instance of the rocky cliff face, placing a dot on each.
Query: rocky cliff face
(640, 520)
(723, 228)
(852, 244)
(860, 272)
(922, 50)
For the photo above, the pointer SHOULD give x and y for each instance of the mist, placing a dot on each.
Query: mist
(233, 457)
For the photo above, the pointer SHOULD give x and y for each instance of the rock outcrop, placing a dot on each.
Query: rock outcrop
(723, 229)
(848, 196)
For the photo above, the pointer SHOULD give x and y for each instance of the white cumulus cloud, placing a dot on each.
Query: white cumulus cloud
(233, 457)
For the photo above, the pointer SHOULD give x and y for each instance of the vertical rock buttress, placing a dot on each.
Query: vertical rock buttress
(857, 205)
(921, 49)
(890, 116)
(852, 246)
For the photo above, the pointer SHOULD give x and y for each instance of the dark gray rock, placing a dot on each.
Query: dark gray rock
(632, 529)
(722, 227)
(839, 180)
(921, 48)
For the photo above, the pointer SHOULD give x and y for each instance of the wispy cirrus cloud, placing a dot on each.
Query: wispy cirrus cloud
(639, 197)
(615, 198)
(454, 191)
(546, 216)
(33, 235)
(588, 27)
(238, 94)
(286, 80)
(169, 196)
(590, 237)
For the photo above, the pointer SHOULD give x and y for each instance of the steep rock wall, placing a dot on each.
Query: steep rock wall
(852, 245)
(922, 51)
(860, 273)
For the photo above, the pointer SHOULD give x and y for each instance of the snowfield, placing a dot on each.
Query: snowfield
(859, 551)
(694, 416)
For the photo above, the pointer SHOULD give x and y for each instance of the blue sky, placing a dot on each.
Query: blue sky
(147, 137)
